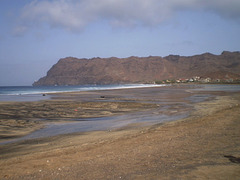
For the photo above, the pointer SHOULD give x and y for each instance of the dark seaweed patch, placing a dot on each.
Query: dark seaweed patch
(233, 159)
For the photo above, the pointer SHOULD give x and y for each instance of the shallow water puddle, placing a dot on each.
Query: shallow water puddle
(101, 124)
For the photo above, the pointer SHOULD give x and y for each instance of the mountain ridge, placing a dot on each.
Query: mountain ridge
(113, 70)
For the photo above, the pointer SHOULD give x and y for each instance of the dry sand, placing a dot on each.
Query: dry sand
(206, 145)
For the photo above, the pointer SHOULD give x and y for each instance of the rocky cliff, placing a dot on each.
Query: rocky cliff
(74, 71)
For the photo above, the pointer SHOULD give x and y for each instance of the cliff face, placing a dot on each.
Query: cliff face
(73, 71)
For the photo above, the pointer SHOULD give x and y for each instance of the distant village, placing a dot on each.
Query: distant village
(197, 79)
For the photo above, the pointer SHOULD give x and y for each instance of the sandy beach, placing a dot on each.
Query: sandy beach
(205, 144)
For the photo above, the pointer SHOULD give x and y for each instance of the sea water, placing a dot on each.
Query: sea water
(219, 87)
(34, 93)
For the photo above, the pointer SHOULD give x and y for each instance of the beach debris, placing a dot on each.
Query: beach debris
(75, 110)
(43, 94)
(233, 159)
(102, 97)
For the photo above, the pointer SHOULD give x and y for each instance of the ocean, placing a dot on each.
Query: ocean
(35, 93)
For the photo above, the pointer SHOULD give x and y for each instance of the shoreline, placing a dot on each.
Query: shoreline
(47, 95)
(18, 119)
(38, 93)
(193, 147)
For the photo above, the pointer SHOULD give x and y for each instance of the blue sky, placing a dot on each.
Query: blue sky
(34, 34)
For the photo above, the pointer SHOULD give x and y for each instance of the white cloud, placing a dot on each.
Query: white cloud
(225, 8)
(74, 15)
(19, 30)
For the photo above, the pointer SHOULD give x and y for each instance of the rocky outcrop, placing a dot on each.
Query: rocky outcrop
(74, 71)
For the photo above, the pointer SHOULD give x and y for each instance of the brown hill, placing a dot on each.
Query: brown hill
(73, 71)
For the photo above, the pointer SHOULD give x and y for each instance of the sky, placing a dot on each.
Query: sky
(35, 34)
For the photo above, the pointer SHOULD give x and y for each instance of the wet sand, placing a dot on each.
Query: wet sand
(20, 118)
(204, 145)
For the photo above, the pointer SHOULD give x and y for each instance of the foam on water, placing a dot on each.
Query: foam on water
(32, 93)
